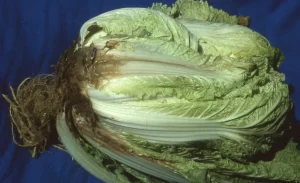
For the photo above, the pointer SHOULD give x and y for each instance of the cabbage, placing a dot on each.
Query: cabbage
(147, 96)
(161, 85)
(163, 75)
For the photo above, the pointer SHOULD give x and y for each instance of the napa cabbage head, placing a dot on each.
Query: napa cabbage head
(168, 81)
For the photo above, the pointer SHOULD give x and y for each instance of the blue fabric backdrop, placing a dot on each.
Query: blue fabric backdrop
(34, 33)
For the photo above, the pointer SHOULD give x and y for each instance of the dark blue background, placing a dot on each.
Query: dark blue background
(34, 33)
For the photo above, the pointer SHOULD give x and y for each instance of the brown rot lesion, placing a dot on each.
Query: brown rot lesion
(111, 44)
(73, 73)
(90, 58)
